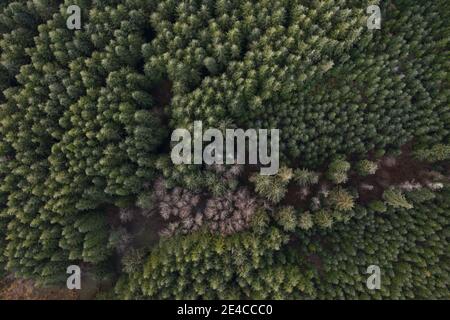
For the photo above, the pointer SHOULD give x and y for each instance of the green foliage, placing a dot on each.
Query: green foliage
(305, 221)
(396, 198)
(420, 195)
(323, 218)
(305, 177)
(377, 206)
(409, 246)
(273, 188)
(211, 65)
(132, 260)
(200, 265)
(291, 71)
(341, 199)
(85, 118)
(146, 201)
(78, 127)
(366, 167)
(439, 152)
(286, 218)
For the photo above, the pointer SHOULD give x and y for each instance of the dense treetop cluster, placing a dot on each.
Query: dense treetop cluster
(410, 246)
(310, 68)
(85, 170)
